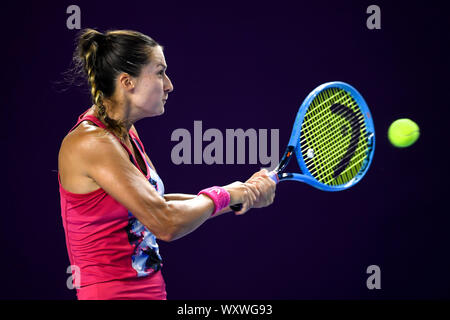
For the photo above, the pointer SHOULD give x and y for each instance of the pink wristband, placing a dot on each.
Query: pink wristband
(219, 196)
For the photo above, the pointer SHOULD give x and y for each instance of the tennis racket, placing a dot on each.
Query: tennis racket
(333, 140)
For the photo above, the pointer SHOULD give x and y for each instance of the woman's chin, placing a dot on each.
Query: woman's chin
(157, 112)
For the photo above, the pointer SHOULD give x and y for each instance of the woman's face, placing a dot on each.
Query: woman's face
(152, 87)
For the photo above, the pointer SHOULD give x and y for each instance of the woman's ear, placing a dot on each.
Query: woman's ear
(126, 81)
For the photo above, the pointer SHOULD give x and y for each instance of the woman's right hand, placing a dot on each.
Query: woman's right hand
(256, 192)
(242, 193)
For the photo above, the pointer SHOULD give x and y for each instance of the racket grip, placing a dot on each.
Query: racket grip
(236, 207)
(272, 175)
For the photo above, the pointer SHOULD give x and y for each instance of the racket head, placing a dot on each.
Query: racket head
(333, 137)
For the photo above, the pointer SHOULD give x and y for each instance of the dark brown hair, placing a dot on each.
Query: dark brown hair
(102, 57)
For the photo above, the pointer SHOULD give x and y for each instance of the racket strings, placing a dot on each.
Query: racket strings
(309, 118)
(333, 151)
(332, 157)
(329, 167)
(329, 129)
(328, 163)
(330, 170)
(317, 129)
(308, 122)
(337, 151)
(361, 152)
(350, 171)
(325, 121)
(332, 163)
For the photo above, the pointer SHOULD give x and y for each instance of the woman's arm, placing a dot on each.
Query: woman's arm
(107, 163)
(183, 196)
(178, 196)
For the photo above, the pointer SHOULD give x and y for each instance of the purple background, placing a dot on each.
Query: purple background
(255, 62)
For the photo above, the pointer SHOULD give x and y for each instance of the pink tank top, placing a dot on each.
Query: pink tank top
(104, 240)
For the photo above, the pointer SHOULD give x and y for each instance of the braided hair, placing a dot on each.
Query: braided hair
(102, 57)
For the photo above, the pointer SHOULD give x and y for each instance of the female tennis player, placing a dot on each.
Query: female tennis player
(113, 204)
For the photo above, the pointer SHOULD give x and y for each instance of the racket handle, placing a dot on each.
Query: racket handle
(272, 175)
(236, 207)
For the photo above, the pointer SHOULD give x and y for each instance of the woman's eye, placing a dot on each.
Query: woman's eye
(161, 72)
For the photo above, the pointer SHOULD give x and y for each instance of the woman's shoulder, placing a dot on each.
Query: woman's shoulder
(71, 167)
(86, 145)
(88, 137)
(85, 140)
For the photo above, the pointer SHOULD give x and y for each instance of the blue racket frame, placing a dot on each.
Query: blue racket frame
(306, 176)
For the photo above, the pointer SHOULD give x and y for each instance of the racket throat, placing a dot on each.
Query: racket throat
(290, 150)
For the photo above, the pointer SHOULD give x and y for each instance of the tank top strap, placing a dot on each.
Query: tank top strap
(80, 119)
(139, 142)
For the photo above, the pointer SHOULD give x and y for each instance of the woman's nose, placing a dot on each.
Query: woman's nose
(168, 85)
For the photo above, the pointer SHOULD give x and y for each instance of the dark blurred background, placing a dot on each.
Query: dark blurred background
(256, 62)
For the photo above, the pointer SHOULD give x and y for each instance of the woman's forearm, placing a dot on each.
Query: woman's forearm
(188, 212)
(184, 196)
(178, 196)
(176, 218)
(188, 215)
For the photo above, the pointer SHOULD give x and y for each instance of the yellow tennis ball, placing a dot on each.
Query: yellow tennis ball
(403, 132)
